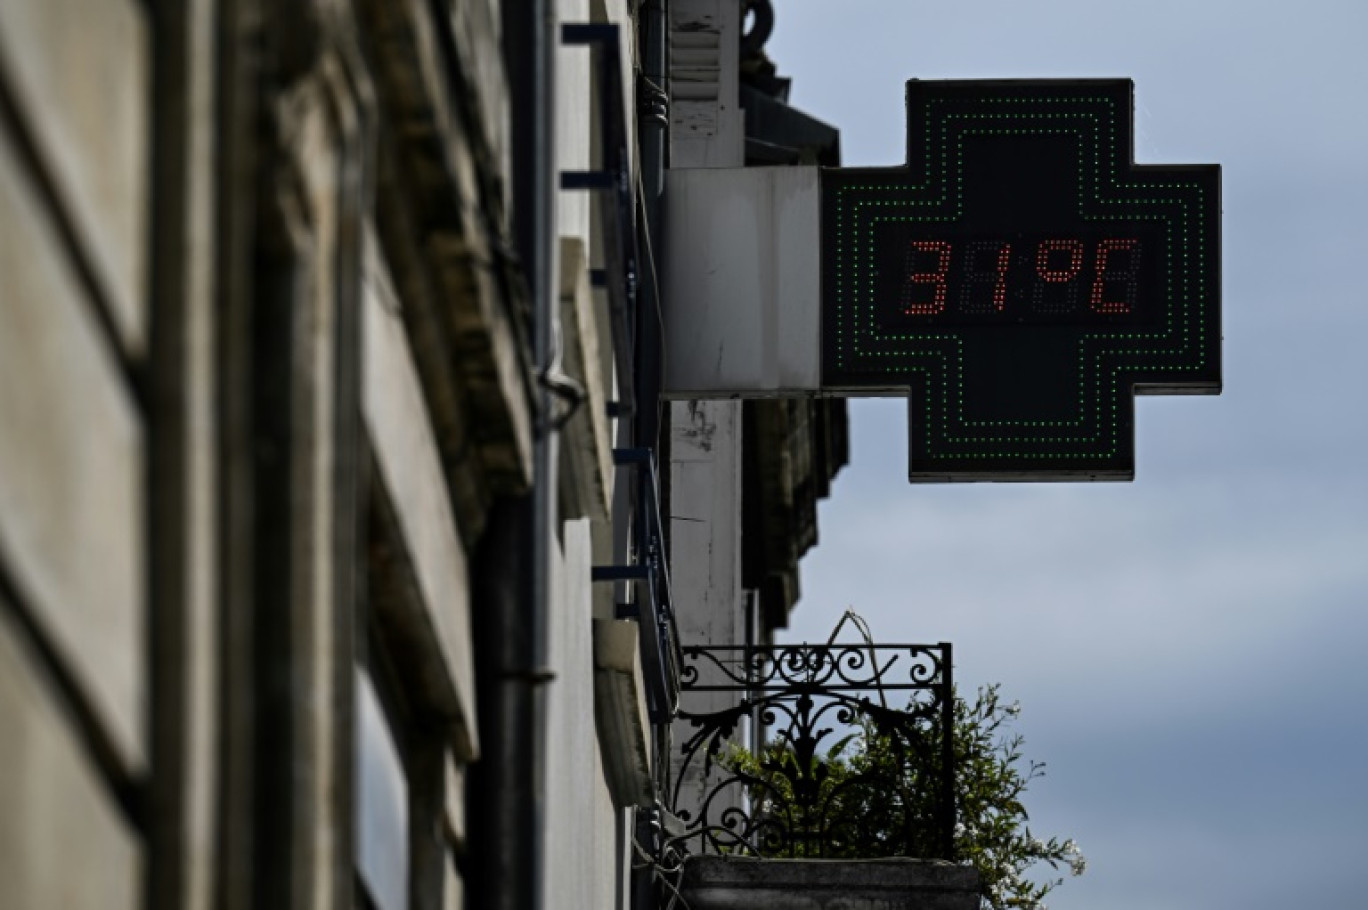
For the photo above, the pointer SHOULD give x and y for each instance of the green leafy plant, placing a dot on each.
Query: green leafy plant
(882, 786)
(992, 832)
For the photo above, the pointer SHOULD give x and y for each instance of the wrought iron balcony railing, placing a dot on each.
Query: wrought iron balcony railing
(839, 771)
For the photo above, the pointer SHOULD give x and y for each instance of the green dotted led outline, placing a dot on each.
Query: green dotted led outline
(959, 365)
(1088, 340)
(1167, 332)
(945, 384)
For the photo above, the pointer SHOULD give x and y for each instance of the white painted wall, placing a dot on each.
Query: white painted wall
(581, 851)
(706, 131)
(574, 121)
(705, 548)
(707, 128)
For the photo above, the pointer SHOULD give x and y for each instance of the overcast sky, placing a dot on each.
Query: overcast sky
(1189, 648)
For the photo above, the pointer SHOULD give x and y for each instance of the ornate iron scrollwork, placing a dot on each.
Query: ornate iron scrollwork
(803, 794)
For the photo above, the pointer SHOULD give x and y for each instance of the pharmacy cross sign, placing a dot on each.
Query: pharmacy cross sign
(1023, 279)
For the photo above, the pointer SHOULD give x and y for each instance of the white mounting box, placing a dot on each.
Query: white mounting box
(742, 282)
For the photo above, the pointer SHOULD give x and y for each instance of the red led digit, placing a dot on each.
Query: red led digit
(1075, 250)
(975, 274)
(1127, 277)
(1055, 292)
(936, 278)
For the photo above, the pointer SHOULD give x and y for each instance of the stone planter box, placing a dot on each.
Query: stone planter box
(746, 883)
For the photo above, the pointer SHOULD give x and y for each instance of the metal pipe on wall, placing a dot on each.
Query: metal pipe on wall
(506, 787)
(545, 480)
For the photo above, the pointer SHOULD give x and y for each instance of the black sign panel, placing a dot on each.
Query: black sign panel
(1023, 279)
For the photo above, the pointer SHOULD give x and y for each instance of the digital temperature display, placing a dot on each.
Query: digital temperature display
(1021, 278)
(1014, 280)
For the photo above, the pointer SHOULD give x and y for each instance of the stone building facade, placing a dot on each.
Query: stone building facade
(345, 536)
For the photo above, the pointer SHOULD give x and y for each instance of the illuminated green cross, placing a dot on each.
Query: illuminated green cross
(1022, 279)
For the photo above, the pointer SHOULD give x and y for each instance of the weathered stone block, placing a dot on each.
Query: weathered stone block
(63, 843)
(80, 72)
(411, 473)
(71, 469)
(620, 711)
(586, 452)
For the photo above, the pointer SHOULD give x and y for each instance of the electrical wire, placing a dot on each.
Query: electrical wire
(660, 871)
(863, 628)
(655, 285)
